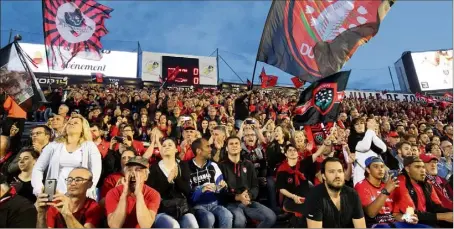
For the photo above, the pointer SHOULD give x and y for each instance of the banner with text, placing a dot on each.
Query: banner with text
(113, 63)
(387, 96)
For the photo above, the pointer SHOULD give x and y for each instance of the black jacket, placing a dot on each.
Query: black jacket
(239, 177)
(16, 212)
(179, 189)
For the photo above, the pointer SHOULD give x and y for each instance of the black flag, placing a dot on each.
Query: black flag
(320, 102)
(17, 80)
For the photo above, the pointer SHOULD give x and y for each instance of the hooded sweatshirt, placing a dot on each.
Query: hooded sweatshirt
(239, 177)
(200, 176)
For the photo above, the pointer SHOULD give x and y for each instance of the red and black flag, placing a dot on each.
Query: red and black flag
(18, 80)
(313, 39)
(267, 80)
(73, 28)
(297, 82)
(249, 84)
(320, 102)
(97, 77)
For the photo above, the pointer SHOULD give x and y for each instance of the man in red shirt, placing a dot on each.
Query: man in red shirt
(103, 146)
(377, 198)
(133, 204)
(416, 194)
(128, 135)
(73, 210)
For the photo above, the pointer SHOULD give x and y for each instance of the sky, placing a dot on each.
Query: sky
(235, 28)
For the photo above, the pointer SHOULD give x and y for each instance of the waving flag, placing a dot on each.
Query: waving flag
(97, 77)
(172, 73)
(297, 82)
(320, 102)
(267, 80)
(249, 84)
(313, 39)
(73, 28)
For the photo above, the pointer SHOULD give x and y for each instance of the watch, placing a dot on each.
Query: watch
(385, 192)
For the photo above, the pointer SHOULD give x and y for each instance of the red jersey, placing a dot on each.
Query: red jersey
(403, 199)
(152, 200)
(103, 148)
(137, 145)
(90, 213)
(368, 193)
(110, 182)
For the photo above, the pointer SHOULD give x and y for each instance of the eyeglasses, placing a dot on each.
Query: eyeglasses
(36, 133)
(77, 180)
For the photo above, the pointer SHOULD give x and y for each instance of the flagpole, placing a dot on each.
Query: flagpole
(217, 64)
(260, 44)
(390, 75)
(43, 4)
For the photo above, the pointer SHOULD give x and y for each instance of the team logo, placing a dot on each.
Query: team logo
(208, 70)
(323, 97)
(151, 66)
(73, 25)
(289, 180)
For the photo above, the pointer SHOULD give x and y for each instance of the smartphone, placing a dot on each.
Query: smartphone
(249, 121)
(50, 186)
(185, 118)
(119, 139)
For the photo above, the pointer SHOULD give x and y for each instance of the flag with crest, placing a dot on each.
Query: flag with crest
(73, 28)
(320, 102)
(313, 39)
(267, 80)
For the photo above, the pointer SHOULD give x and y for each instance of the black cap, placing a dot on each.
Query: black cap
(411, 159)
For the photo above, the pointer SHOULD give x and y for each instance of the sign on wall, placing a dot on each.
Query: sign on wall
(112, 64)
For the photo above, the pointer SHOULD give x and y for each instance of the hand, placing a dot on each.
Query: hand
(296, 199)
(169, 123)
(392, 184)
(13, 131)
(61, 202)
(371, 124)
(125, 182)
(140, 180)
(351, 158)
(222, 184)
(113, 141)
(41, 202)
(309, 146)
(217, 144)
(173, 174)
(209, 188)
(413, 219)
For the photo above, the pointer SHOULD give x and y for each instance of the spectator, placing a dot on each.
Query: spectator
(72, 209)
(186, 153)
(217, 141)
(6, 155)
(58, 124)
(97, 135)
(241, 109)
(447, 133)
(332, 204)
(133, 203)
(253, 151)
(242, 182)
(22, 183)
(377, 198)
(128, 140)
(171, 180)
(73, 149)
(63, 111)
(420, 196)
(41, 136)
(16, 210)
(441, 186)
(366, 144)
(206, 179)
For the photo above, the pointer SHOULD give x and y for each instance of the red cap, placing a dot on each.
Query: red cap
(427, 157)
(393, 134)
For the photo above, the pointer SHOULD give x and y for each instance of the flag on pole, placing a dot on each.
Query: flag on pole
(320, 102)
(17, 80)
(73, 28)
(297, 82)
(313, 39)
(267, 80)
(97, 77)
(249, 84)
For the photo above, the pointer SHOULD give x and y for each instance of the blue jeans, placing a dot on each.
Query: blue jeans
(255, 211)
(271, 187)
(166, 221)
(401, 225)
(208, 214)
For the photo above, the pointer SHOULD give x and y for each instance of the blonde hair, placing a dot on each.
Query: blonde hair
(84, 136)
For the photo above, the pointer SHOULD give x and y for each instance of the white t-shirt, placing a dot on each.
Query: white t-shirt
(68, 161)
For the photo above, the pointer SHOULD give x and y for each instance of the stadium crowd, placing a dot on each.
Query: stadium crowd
(129, 158)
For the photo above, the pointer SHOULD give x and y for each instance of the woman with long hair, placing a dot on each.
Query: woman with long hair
(73, 149)
(143, 128)
(304, 148)
(22, 183)
(173, 185)
(204, 129)
(365, 143)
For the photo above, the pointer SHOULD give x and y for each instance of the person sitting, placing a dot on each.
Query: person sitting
(167, 178)
(22, 182)
(377, 198)
(418, 195)
(205, 180)
(133, 203)
(241, 179)
(71, 209)
(16, 211)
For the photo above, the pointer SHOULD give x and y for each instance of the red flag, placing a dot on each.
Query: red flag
(172, 74)
(297, 82)
(73, 28)
(267, 80)
(249, 84)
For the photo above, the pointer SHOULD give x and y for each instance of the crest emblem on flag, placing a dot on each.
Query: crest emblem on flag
(73, 28)
(324, 97)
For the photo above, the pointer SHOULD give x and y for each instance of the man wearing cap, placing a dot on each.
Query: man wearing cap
(189, 135)
(377, 198)
(15, 210)
(133, 204)
(416, 195)
(393, 139)
(441, 186)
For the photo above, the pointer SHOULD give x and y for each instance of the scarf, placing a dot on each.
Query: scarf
(438, 184)
(11, 193)
(285, 167)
